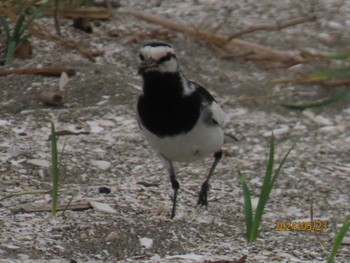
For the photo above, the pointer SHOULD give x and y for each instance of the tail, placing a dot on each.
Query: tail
(228, 138)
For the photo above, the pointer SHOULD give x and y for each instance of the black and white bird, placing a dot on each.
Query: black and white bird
(180, 119)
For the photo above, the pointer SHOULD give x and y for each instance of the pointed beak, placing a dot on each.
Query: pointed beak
(146, 65)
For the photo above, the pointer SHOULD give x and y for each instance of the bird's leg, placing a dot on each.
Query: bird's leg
(174, 183)
(203, 194)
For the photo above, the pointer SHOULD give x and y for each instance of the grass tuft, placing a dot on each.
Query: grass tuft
(253, 221)
(15, 37)
(55, 170)
(338, 239)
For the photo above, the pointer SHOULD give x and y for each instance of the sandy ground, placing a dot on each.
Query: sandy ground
(100, 99)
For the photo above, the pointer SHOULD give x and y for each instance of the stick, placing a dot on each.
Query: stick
(220, 40)
(272, 27)
(47, 208)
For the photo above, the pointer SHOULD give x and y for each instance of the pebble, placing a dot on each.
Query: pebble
(94, 127)
(146, 242)
(101, 207)
(64, 79)
(333, 129)
(104, 190)
(322, 120)
(104, 165)
(12, 247)
(37, 162)
(3, 122)
(112, 236)
(277, 132)
(23, 257)
(25, 238)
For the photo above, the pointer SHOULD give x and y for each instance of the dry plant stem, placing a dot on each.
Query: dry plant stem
(273, 27)
(52, 71)
(336, 82)
(67, 133)
(55, 17)
(221, 41)
(47, 208)
(90, 12)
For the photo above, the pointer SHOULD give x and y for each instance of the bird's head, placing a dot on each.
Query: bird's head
(157, 57)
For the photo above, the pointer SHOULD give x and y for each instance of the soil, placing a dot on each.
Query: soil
(100, 100)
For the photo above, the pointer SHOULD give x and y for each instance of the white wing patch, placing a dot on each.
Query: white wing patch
(217, 113)
(188, 87)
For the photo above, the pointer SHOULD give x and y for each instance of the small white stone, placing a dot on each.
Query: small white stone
(64, 79)
(23, 257)
(94, 127)
(101, 207)
(346, 241)
(25, 238)
(277, 132)
(13, 247)
(104, 165)
(3, 122)
(322, 120)
(146, 242)
(333, 129)
(335, 25)
(37, 162)
(105, 123)
(309, 114)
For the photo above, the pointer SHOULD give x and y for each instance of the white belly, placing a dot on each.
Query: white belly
(201, 141)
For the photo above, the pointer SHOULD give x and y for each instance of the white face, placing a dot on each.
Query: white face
(159, 58)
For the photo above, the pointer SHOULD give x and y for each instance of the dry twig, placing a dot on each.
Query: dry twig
(258, 52)
(273, 27)
(68, 133)
(47, 208)
(55, 17)
(90, 12)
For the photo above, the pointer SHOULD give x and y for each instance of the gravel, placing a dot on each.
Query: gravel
(131, 223)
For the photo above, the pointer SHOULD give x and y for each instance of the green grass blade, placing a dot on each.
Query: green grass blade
(278, 171)
(338, 239)
(248, 211)
(336, 97)
(340, 56)
(15, 34)
(331, 73)
(265, 190)
(10, 51)
(32, 13)
(55, 169)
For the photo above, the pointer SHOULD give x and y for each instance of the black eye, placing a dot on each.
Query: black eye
(167, 57)
(142, 57)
